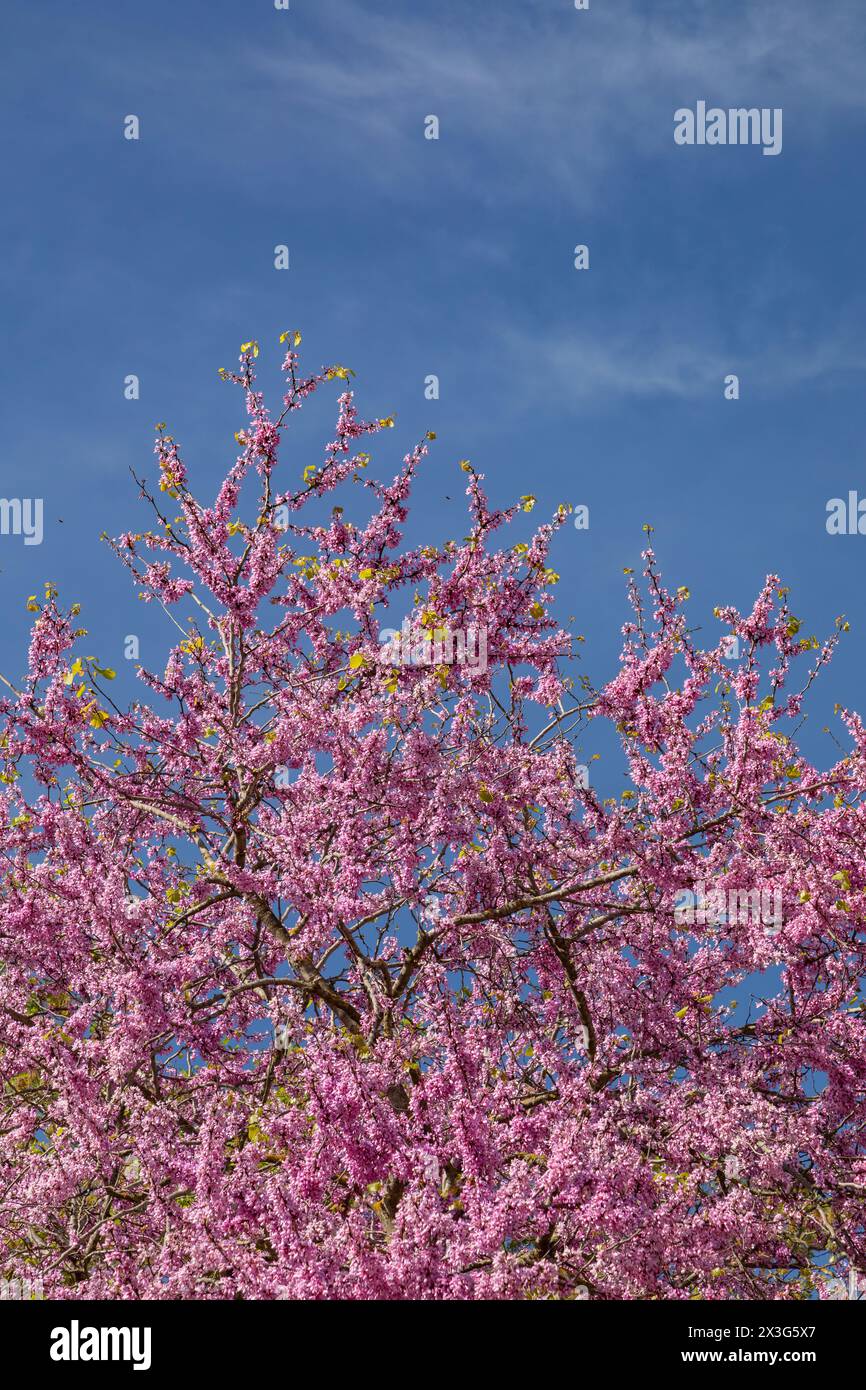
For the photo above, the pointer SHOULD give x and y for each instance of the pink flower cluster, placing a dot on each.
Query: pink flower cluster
(325, 978)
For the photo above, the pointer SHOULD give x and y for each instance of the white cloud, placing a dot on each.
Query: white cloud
(641, 361)
(560, 90)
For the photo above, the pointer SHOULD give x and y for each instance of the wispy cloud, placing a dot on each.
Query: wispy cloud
(637, 360)
(546, 113)
(572, 90)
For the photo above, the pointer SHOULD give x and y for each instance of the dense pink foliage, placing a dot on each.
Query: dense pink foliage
(323, 977)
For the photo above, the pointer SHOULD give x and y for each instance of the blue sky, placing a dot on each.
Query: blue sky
(454, 257)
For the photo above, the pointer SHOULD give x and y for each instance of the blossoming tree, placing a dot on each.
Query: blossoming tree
(323, 976)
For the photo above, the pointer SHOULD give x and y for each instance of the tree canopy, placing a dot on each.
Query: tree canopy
(325, 971)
